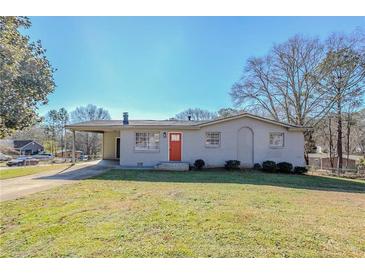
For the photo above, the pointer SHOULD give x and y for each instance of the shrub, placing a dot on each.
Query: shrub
(269, 166)
(285, 167)
(257, 166)
(232, 164)
(300, 170)
(362, 162)
(199, 164)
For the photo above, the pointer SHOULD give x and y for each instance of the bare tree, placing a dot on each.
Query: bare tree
(281, 82)
(226, 112)
(343, 77)
(302, 80)
(354, 122)
(357, 137)
(330, 141)
(52, 129)
(196, 114)
(36, 132)
(90, 143)
(63, 119)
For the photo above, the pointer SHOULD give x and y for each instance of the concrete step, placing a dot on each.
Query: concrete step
(176, 166)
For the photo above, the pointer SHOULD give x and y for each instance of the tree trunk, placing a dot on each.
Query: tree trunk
(309, 145)
(330, 141)
(306, 158)
(348, 138)
(62, 143)
(339, 136)
(87, 144)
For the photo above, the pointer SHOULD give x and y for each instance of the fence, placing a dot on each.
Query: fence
(358, 172)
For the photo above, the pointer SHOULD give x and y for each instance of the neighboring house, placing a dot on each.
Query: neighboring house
(244, 137)
(28, 147)
(322, 161)
(68, 154)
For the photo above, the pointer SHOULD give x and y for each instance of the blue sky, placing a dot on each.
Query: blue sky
(155, 67)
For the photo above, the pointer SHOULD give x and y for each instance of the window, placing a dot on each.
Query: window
(147, 141)
(213, 139)
(277, 139)
(175, 137)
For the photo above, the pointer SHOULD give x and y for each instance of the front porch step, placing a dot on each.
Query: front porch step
(176, 166)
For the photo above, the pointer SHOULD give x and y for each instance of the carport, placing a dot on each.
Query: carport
(110, 129)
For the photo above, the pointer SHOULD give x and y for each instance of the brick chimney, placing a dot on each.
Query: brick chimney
(125, 118)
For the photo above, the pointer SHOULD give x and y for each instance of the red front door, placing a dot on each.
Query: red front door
(175, 146)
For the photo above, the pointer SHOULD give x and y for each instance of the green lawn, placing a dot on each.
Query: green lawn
(130, 213)
(28, 170)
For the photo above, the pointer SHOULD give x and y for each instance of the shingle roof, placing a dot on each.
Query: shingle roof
(137, 123)
(174, 123)
(21, 143)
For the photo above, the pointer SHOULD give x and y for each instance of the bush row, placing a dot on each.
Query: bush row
(230, 165)
(283, 167)
(267, 166)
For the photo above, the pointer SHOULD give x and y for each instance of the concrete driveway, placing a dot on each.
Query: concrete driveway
(21, 186)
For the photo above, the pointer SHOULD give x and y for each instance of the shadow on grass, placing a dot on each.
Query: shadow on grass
(75, 174)
(237, 177)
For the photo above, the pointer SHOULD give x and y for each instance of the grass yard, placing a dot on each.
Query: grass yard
(28, 170)
(130, 213)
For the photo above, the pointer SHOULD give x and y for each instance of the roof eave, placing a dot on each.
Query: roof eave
(162, 127)
(266, 120)
(92, 128)
(298, 129)
(28, 144)
(101, 129)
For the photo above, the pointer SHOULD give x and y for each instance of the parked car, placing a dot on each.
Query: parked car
(23, 161)
(43, 156)
(84, 157)
(4, 157)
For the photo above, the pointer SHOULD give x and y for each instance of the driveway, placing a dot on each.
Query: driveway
(11, 189)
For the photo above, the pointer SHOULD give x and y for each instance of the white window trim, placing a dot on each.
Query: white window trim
(278, 147)
(137, 149)
(210, 145)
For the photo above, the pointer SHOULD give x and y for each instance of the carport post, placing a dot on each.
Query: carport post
(73, 146)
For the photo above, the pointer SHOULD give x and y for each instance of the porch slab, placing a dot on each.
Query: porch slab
(109, 163)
